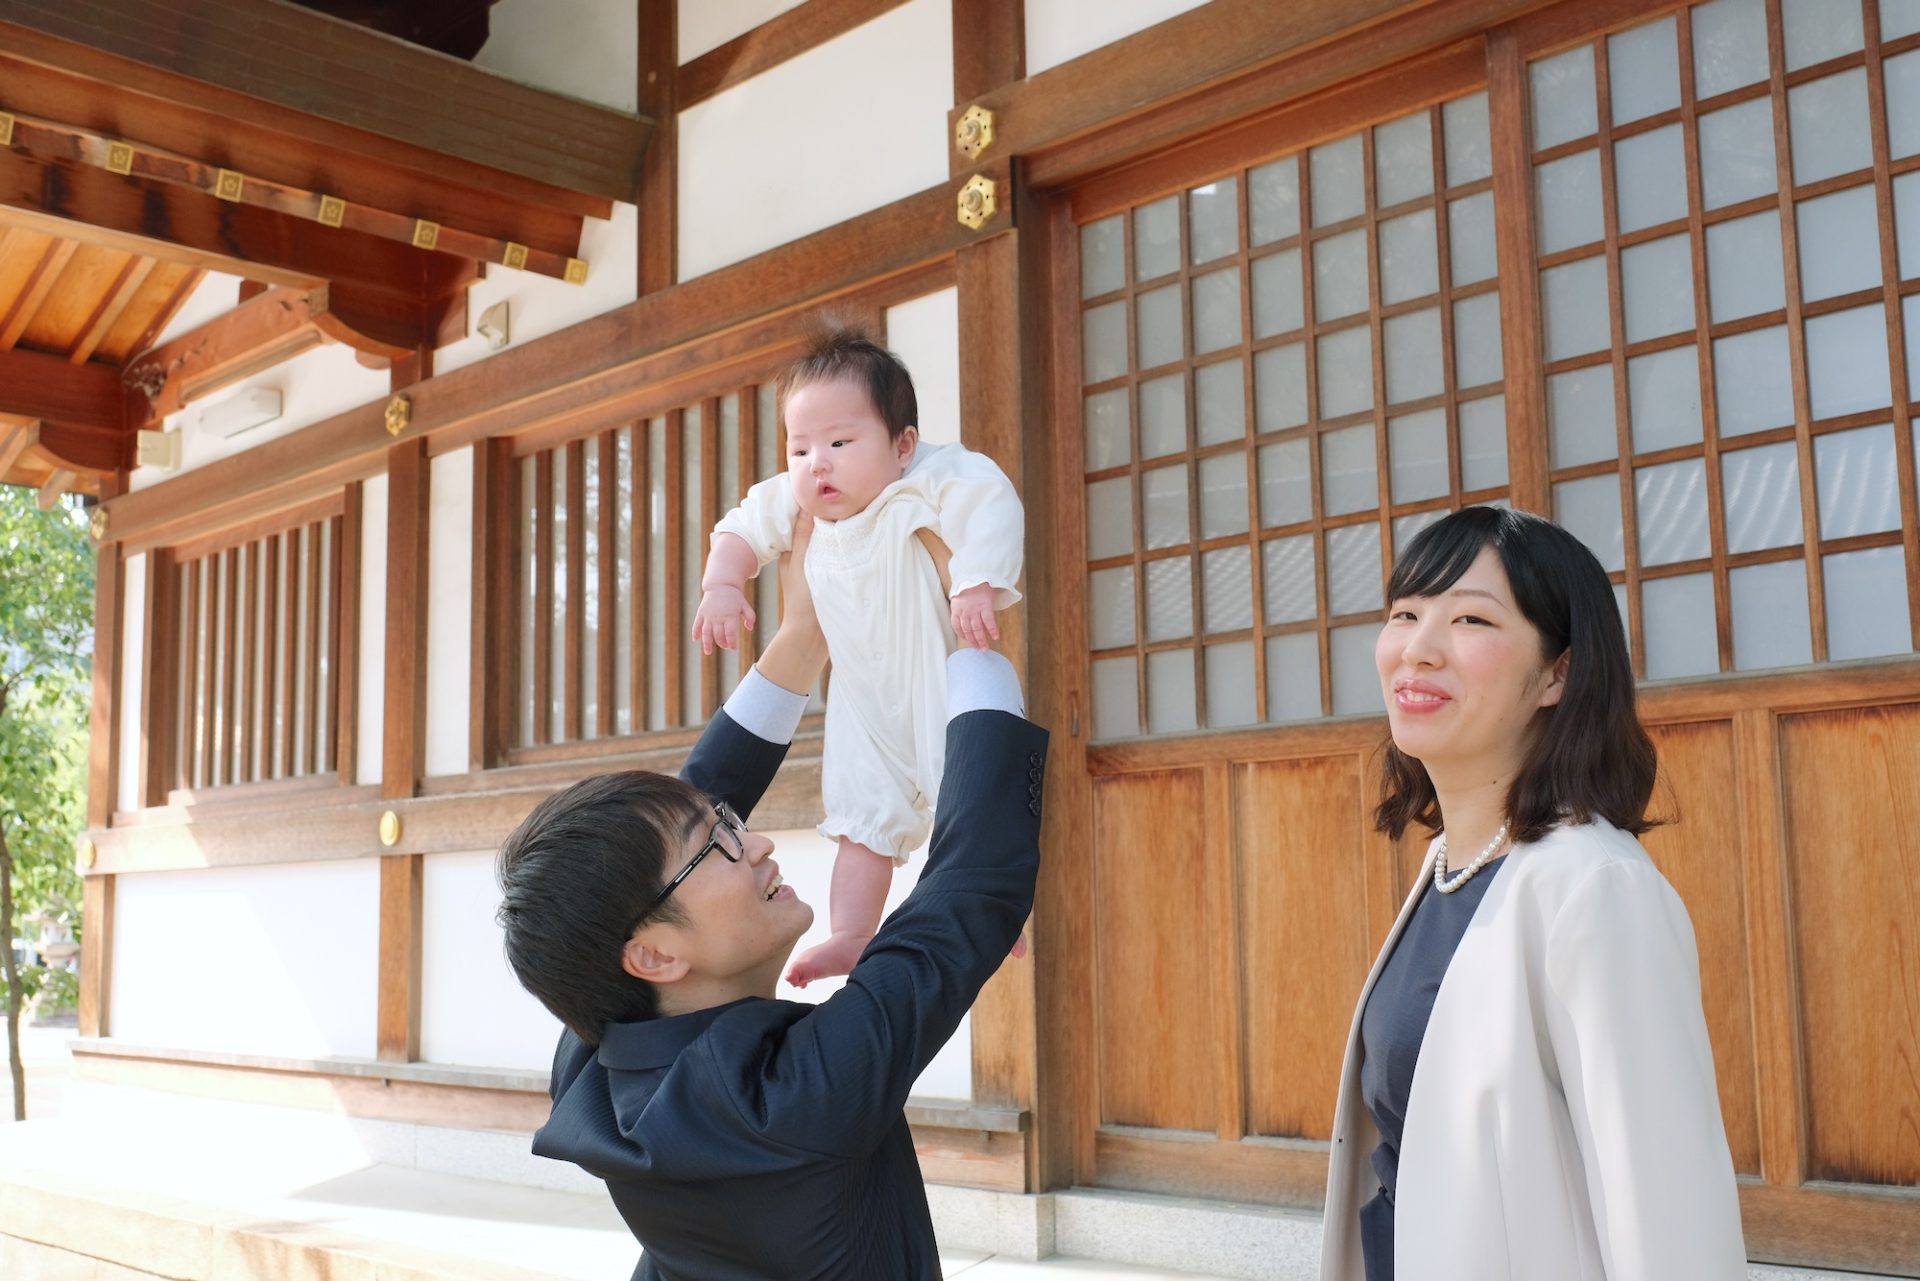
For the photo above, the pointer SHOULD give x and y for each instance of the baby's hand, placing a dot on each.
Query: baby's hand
(722, 615)
(973, 620)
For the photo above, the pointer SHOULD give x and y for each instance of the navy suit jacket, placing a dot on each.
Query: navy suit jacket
(766, 1138)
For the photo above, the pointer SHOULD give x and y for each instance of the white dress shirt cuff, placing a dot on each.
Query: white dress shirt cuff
(982, 680)
(764, 709)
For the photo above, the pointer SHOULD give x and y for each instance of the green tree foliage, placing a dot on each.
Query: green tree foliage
(46, 650)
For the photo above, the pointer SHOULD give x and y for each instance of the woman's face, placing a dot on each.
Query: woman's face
(1463, 676)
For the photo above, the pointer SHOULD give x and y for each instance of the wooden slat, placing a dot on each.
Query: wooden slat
(607, 651)
(16, 439)
(403, 756)
(639, 568)
(103, 741)
(708, 490)
(248, 697)
(272, 683)
(346, 586)
(53, 261)
(674, 642)
(542, 727)
(573, 654)
(96, 956)
(495, 637)
(1520, 318)
(225, 761)
(112, 306)
(203, 622)
(401, 899)
(160, 682)
(311, 640)
(749, 424)
(786, 35)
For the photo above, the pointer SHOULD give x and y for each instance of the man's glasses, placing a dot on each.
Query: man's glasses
(728, 829)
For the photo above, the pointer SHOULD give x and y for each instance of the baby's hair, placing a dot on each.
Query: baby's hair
(842, 351)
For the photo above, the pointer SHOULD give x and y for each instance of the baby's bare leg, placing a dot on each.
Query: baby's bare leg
(861, 879)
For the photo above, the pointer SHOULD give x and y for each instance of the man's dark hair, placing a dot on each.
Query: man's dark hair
(838, 351)
(574, 876)
(1591, 755)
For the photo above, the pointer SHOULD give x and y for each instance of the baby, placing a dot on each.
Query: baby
(856, 466)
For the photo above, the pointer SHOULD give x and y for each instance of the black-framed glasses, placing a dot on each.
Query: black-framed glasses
(726, 837)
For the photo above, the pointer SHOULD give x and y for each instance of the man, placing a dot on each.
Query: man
(744, 1137)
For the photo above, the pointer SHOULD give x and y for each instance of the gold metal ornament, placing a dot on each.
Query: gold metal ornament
(973, 132)
(426, 234)
(6, 129)
(515, 256)
(399, 413)
(120, 158)
(389, 829)
(89, 854)
(97, 524)
(227, 184)
(977, 203)
(333, 211)
(576, 272)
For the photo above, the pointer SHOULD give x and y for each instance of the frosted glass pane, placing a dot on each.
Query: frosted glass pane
(1469, 143)
(1657, 279)
(1340, 276)
(1356, 681)
(1651, 174)
(1580, 416)
(1108, 436)
(1858, 482)
(1293, 677)
(1680, 633)
(1405, 528)
(1737, 160)
(1158, 316)
(1171, 705)
(1288, 579)
(1839, 243)
(1116, 698)
(1346, 371)
(1226, 588)
(1847, 362)
(1273, 199)
(1761, 489)
(1575, 301)
(1280, 387)
(1663, 399)
(1827, 126)
(1221, 396)
(1903, 104)
(1349, 479)
(1899, 18)
(1402, 160)
(1906, 219)
(1216, 311)
(1163, 506)
(1169, 603)
(1109, 518)
(1590, 510)
(1103, 261)
(1409, 258)
(1643, 69)
(1286, 484)
(1417, 453)
(1339, 181)
(1568, 195)
(1163, 416)
(1110, 607)
(1817, 30)
(1753, 381)
(1415, 367)
(1477, 355)
(1670, 505)
(1278, 294)
(1213, 219)
(1564, 106)
(1230, 685)
(1470, 240)
(1223, 495)
(1483, 443)
(1746, 275)
(1103, 342)
(1729, 45)
(1156, 238)
(1353, 569)
(1866, 603)
(1769, 605)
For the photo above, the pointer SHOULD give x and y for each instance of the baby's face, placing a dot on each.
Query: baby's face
(839, 456)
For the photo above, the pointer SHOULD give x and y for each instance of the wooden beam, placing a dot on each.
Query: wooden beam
(96, 955)
(33, 385)
(659, 81)
(103, 740)
(989, 47)
(404, 755)
(26, 305)
(787, 35)
(401, 898)
(262, 332)
(14, 441)
(54, 486)
(133, 275)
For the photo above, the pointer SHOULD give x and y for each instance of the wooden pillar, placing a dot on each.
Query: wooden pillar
(659, 184)
(1520, 320)
(103, 773)
(96, 955)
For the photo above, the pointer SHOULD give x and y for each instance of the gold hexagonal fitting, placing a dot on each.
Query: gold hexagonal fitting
(89, 854)
(399, 414)
(97, 524)
(977, 203)
(389, 829)
(973, 132)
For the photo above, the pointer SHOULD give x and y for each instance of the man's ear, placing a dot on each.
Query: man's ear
(1557, 679)
(645, 961)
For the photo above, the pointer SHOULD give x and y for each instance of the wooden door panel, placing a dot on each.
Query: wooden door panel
(1851, 783)
(1152, 857)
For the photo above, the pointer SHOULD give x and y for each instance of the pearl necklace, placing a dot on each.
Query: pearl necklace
(1440, 881)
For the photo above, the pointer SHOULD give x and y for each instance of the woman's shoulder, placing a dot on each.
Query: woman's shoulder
(1574, 855)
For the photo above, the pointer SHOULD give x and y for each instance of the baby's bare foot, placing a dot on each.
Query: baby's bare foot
(835, 956)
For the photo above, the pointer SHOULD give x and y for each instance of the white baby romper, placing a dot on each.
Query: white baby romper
(889, 629)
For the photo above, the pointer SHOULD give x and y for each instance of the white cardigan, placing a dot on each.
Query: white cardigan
(1564, 1123)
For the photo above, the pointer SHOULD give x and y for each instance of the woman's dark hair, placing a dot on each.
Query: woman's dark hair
(838, 351)
(572, 878)
(1591, 755)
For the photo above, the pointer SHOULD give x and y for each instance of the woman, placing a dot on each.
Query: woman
(1528, 1091)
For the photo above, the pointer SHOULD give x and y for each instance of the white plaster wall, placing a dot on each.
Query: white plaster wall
(925, 333)
(278, 960)
(708, 24)
(1061, 30)
(369, 750)
(449, 612)
(841, 129)
(472, 1010)
(133, 664)
(583, 48)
